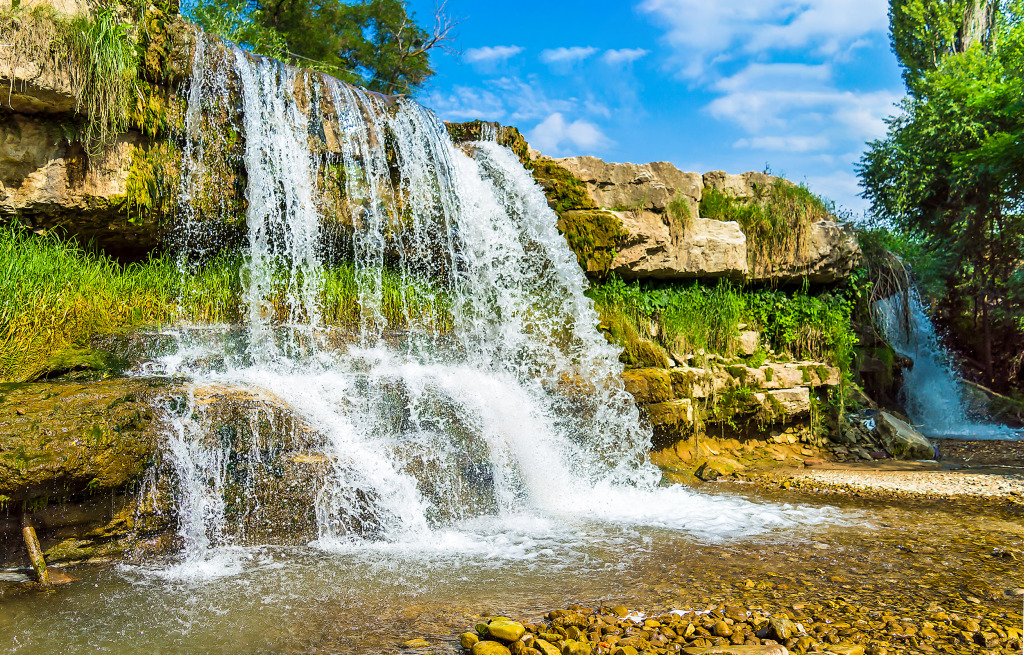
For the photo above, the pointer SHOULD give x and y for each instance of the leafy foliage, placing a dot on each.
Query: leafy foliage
(688, 318)
(950, 176)
(372, 43)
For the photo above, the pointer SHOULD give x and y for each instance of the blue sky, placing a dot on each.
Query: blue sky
(797, 86)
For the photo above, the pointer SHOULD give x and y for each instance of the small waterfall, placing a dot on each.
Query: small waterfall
(512, 404)
(931, 394)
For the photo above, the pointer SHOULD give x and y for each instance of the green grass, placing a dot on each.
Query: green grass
(777, 220)
(96, 55)
(55, 296)
(688, 318)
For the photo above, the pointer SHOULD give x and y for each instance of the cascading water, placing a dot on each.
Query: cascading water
(931, 393)
(508, 409)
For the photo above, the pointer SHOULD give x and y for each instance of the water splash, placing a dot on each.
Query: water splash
(514, 415)
(931, 393)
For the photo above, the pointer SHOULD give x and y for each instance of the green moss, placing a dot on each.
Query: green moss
(758, 358)
(594, 236)
(769, 373)
(566, 190)
(507, 136)
(737, 372)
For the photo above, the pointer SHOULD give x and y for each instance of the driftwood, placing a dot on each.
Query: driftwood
(35, 552)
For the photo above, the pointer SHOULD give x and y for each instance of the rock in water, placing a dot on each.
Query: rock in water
(489, 648)
(505, 630)
(901, 439)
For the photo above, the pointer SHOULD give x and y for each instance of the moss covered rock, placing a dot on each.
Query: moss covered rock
(594, 236)
(65, 438)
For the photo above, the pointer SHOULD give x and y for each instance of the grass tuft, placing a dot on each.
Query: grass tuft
(777, 220)
(96, 55)
(54, 297)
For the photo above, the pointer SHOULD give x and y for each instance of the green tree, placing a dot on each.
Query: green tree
(951, 172)
(924, 32)
(372, 43)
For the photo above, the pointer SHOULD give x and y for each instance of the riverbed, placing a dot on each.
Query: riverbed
(911, 559)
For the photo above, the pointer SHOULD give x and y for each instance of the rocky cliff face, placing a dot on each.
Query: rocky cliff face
(664, 236)
(51, 175)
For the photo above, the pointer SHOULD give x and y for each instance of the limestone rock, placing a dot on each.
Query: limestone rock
(901, 439)
(29, 87)
(749, 341)
(650, 187)
(50, 183)
(745, 186)
(702, 249)
(827, 254)
(648, 385)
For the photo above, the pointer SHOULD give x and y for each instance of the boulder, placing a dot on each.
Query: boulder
(654, 249)
(650, 187)
(749, 341)
(59, 439)
(717, 467)
(901, 439)
(745, 185)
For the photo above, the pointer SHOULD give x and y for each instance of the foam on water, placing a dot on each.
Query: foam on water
(509, 436)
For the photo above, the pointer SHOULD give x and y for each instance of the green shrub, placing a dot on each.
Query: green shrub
(690, 317)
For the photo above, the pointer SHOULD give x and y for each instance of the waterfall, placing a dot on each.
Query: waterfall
(932, 394)
(503, 400)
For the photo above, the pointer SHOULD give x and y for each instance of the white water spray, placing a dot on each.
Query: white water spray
(515, 413)
(932, 393)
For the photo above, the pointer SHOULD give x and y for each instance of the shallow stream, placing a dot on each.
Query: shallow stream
(905, 560)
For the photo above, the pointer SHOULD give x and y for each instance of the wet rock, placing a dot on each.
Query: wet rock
(489, 648)
(546, 647)
(505, 630)
(416, 643)
(71, 437)
(846, 649)
(901, 439)
(774, 649)
(467, 639)
(717, 467)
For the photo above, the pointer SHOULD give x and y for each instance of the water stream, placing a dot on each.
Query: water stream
(931, 392)
(458, 439)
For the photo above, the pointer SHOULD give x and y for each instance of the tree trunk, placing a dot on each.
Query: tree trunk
(978, 24)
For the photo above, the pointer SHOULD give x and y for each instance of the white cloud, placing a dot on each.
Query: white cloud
(566, 56)
(623, 56)
(784, 143)
(467, 104)
(554, 134)
(704, 34)
(491, 54)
